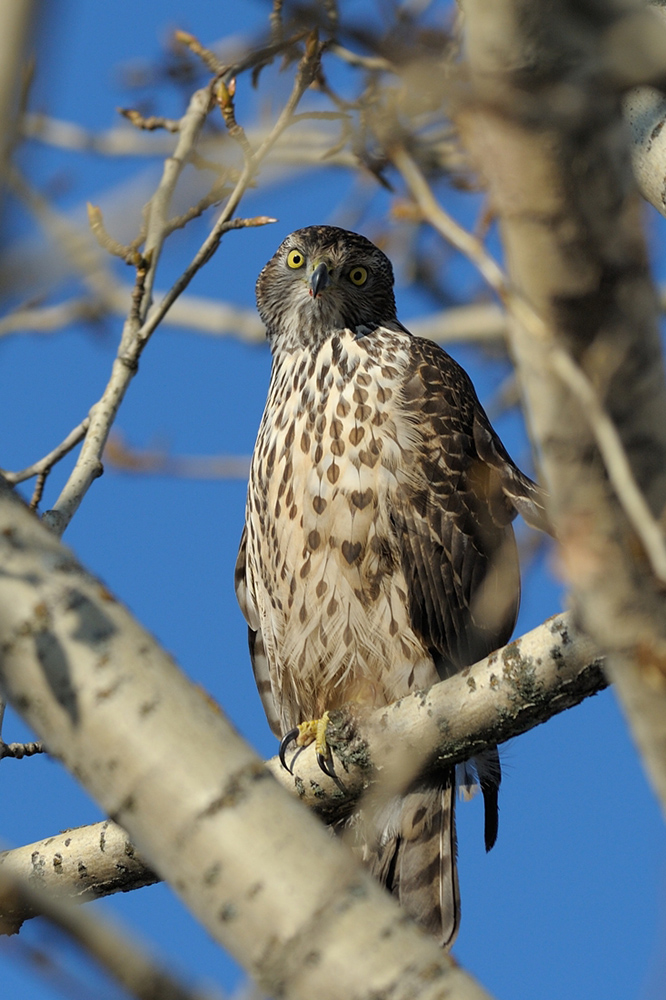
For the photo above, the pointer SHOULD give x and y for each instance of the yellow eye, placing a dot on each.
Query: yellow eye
(295, 259)
(358, 275)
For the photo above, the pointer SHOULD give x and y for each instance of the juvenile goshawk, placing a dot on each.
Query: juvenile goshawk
(378, 554)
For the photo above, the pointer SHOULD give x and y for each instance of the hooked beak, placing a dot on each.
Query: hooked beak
(318, 280)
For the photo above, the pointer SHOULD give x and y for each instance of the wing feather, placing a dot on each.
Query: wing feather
(260, 664)
(453, 514)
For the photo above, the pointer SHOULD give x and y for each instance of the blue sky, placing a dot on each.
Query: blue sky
(572, 901)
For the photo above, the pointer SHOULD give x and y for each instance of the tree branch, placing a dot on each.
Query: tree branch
(113, 949)
(571, 228)
(141, 323)
(80, 865)
(118, 712)
(546, 671)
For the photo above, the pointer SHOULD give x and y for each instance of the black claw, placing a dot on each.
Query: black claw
(284, 743)
(326, 767)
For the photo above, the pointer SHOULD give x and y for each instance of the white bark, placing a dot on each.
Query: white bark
(544, 672)
(554, 149)
(15, 23)
(257, 869)
(122, 957)
(79, 865)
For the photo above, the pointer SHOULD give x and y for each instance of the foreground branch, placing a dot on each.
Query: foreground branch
(560, 178)
(137, 972)
(258, 871)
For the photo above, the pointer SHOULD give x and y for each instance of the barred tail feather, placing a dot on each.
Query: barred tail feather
(416, 858)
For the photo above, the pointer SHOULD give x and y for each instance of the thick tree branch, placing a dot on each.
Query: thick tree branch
(518, 687)
(252, 865)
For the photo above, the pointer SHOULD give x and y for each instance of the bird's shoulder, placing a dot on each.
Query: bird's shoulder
(457, 434)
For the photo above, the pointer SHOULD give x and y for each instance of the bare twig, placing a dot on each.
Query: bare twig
(158, 209)
(610, 445)
(141, 324)
(215, 195)
(38, 490)
(88, 466)
(224, 95)
(304, 77)
(208, 57)
(45, 464)
(151, 123)
(105, 240)
(20, 750)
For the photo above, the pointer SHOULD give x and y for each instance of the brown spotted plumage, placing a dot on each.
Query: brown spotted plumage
(378, 554)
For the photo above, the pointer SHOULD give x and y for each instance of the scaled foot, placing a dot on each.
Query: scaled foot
(312, 731)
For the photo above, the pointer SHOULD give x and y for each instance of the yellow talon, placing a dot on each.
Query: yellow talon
(321, 745)
(307, 732)
(314, 730)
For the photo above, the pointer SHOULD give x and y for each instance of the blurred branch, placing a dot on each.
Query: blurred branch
(151, 123)
(103, 941)
(51, 319)
(84, 256)
(644, 110)
(117, 711)
(579, 258)
(556, 358)
(548, 670)
(482, 323)
(118, 141)
(16, 18)
(118, 455)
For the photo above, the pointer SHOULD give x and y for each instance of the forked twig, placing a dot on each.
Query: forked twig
(142, 320)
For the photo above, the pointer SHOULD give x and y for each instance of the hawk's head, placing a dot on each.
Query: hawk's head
(322, 279)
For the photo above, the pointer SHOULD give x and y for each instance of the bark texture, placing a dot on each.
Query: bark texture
(259, 872)
(543, 672)
(547, 131)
